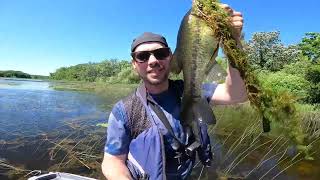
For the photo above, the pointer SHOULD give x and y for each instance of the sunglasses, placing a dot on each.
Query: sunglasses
(159, 54)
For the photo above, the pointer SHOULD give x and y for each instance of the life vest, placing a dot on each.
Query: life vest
(146, 157)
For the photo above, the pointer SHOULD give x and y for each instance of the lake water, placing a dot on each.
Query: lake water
(30, 110)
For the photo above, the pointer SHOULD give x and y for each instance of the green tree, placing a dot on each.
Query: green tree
(102, 71)
(314, 94)
(14, 74)
(310, 46)
(313, 76)
(265, 51)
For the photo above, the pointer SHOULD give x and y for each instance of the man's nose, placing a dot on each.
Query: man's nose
(152, 59)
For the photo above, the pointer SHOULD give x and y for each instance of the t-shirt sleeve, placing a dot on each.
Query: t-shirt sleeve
(208, 90)
(118, 136)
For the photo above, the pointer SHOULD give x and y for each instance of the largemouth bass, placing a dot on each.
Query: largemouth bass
(195, 52)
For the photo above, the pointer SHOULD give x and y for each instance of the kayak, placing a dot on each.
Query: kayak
(59, 176)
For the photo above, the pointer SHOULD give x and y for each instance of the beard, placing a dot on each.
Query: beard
(158, 80)
(155, 77)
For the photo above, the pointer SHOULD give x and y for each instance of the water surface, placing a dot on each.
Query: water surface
(32, 115)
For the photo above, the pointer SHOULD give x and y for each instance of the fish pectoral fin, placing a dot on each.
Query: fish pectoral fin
(205, 112)
(175, 65)
(212, 61)
(197, 110)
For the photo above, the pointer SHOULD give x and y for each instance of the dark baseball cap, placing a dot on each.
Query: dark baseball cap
(148, 37)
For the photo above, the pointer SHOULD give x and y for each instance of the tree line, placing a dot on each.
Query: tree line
(113, 71)
(15, 74)
(20, 74)
(295, 68)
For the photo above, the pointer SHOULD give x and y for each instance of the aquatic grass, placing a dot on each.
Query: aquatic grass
(234, 118)
(13, 172)
(109, 91)
(201, 172)
(264, 160)
(235, 144)
(231, 127)
(311, 123)
(242, 155)
(279, 161)
(246, 133)
(70, 151)
(80, 148)
(291, 164)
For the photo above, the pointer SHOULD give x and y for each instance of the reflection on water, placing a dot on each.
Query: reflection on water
(24, 84)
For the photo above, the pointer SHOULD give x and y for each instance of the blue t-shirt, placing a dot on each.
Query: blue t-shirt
(118, 137)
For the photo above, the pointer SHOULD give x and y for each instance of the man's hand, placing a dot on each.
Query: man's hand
(236, 21)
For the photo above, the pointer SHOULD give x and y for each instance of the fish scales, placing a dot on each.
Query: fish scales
(195, 47)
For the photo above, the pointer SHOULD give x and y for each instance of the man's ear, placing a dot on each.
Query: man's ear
(133, 63)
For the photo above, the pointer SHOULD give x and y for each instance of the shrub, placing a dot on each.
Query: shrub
(298, 68)
(281, 81)
(314, 94)
(126, 75)
(313, 74)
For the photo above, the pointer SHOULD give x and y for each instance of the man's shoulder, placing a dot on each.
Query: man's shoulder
(129, 103)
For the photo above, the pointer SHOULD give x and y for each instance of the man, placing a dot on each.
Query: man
(139, 145)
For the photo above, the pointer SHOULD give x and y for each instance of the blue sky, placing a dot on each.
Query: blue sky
(39, 36)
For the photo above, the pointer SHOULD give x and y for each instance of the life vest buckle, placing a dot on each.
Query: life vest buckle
(190, 150)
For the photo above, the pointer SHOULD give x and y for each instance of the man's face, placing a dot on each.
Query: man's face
(154, 71)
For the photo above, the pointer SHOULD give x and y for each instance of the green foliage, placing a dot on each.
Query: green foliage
(298, 68)
(108, 70)
(235, 118)
(265, 51)
(14, 74)
(39, 77)
(222, 62)
(280, 82)
(313, 74)
(310, 46)
(175, 76)
(310, 72)
(314, 94)
(126, 75)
